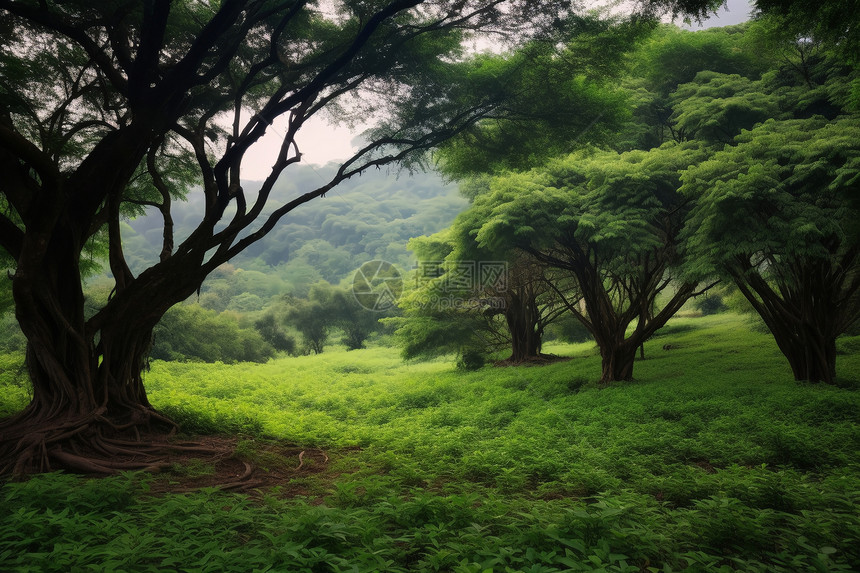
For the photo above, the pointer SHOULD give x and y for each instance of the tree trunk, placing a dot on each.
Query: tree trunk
(811, 353)
(617, 362)
(525, 345)
(89, 404)
(522, 316)
(89, 410)
(804, 316)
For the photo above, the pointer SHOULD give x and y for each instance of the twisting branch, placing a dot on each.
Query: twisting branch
(77, 33)
(164, 206)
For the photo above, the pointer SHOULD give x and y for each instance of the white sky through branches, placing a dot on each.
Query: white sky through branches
(320, 142)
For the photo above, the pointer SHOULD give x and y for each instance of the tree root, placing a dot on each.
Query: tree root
(89, 465)
(88, 444)
(302, 459)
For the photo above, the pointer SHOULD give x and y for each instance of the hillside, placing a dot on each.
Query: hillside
(366, 218)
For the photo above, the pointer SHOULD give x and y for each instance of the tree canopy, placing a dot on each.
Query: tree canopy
(760, 123)
(774, 214)
(612, 222)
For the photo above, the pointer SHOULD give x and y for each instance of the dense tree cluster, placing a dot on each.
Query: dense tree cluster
(739, 163)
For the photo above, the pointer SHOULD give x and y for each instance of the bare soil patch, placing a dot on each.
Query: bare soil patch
(230, 465)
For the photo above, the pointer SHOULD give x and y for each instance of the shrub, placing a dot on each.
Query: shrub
(710, 304)
(568, 329)
(190, 332)
(471, 359)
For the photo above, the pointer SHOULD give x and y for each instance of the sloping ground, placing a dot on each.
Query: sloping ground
(713, 459)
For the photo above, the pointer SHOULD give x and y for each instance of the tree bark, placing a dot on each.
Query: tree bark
(89, 410)
(808, 346)
(88, 393)
(806, 313)
(617, 362)
(523, 318)
(815, 361)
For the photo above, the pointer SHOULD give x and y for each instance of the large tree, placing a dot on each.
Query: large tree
(836, 22)
(111, 106)
(777, 214)
(445, 307)
(612, 223)
(521, 294)
(490, 299)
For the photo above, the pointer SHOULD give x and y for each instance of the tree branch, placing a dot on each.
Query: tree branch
(20, 147)
(43, 17)
(11, 237)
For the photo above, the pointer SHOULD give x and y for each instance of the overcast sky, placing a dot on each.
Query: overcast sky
(734, 12)
(321, 143)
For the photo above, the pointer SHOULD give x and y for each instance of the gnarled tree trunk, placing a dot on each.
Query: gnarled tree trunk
(89, 410)
(806, 309)
(617, 362)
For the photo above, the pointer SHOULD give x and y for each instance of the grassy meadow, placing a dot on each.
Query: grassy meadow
(713, 459)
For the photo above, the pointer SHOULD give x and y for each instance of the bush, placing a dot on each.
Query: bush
(190, 332)
(270, 329)
(569, 329)
(11, 337)
(471, 359)
(710, 304)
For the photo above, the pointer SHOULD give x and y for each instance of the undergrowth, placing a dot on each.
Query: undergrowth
(713, 459)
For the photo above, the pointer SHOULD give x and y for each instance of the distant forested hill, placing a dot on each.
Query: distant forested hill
(369, 217)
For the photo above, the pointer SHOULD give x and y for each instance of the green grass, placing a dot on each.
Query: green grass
(713, 459)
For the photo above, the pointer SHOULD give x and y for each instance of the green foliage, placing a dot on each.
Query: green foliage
(559, 93)
(776, 205)
(471, 359)
(442, 315)
(368, 218)
(439, 334)
(326, 308)
(190, 332)
(711, 303)
(271, 331)
(568, 329)
(607, 200)
(830, 21)
(713, 456)
(671, 57)
(13, 382)
(609, 223)
(714, 460)
(782, 189)
(310, 317)
(11, 337)
(356, 321)
(714, 108)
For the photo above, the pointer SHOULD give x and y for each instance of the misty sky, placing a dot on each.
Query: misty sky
(321, 143)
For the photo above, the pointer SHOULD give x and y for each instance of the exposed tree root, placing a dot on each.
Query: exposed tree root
(302, 459)
(96, 449)
(90, 465)
(89, 444)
